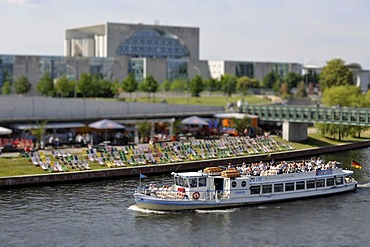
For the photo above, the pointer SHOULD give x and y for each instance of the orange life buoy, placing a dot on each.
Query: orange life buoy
(196, 195)
(181, 194)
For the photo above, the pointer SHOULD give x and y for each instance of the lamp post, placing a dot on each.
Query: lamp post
(75, 79)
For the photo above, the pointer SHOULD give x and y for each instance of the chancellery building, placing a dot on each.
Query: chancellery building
(114, 50)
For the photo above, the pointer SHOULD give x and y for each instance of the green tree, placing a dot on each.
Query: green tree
(228, 84)
(166, 86)
(6, 88)
(149, 85)
(335, 73)
(22, 85)
(64, 87)
(45, 86)
(179, 86)
(144, 130)
(84, 84)
(241, 124)
(270, 79)
(130, 84)
(212, 85)
(196, 86)
(292, 79)
(242, 84)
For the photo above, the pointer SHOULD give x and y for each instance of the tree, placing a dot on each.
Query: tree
(144, 129)
(292, 79)
(228, 84)
(64, 87)
(212, 85)
(84, 85)
(45, 86)
(241, 124)
(301, 90)
(242, 84)
(130, 84)
(149, 85)
(196, 86)
(6, 88)
(179, 86)
(166, 86)
(22, 85)
(269, 80)
(335, 73)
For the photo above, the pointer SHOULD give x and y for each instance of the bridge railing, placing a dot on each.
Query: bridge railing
(311, 114)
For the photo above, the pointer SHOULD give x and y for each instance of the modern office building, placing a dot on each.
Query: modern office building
(113, 50)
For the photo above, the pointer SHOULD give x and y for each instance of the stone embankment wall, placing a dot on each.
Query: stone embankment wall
(116, 173)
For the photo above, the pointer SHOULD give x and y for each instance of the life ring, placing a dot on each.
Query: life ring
(196, 195)
(181, 194)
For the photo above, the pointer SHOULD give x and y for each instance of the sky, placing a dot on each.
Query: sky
(299, 31)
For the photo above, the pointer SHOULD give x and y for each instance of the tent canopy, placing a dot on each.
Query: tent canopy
(194, 120)
(106, 124)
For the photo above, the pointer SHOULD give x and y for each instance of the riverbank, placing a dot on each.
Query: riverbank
(117, 173)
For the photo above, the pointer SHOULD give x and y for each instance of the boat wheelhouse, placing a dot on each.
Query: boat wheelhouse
(217, 188)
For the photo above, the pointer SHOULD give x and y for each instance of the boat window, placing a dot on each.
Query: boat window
(255, 189)
(233, 184)
(339, 180)
(244, 183)
(278, 187)
(289, 186)
(320, 183)
(177, 181)
(311, 184)
(185, 182)
(267, 188)
(202, 182)
(329, 181)
(300, 185)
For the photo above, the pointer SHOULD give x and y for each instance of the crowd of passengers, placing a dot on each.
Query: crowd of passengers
(272, 168)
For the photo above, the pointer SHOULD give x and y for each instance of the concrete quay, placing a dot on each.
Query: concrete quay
(118, 173)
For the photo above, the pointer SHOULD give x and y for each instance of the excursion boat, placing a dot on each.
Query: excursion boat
(258, 183)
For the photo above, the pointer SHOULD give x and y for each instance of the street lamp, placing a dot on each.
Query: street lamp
(75, 79)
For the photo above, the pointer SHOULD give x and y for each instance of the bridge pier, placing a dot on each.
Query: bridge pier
(294, 132)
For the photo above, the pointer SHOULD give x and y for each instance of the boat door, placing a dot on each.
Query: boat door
(219, 184)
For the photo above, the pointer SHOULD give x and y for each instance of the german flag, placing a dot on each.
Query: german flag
(355, 164)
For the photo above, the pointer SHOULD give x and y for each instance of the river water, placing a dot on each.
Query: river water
(103, 214)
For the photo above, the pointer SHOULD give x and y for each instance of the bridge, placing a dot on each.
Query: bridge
(296, 118)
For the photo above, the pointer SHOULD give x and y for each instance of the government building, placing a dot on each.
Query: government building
(114, 50)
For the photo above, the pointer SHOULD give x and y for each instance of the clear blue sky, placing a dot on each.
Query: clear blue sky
(302, 31)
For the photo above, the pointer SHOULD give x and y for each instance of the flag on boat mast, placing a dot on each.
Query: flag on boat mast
(142, 176)
(355, 164)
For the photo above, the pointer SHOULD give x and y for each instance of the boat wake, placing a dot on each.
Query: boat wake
(210, 211)
(367, 185)
(148, 211)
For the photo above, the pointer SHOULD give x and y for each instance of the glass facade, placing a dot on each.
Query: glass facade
(152, 44)
(281, 69)
(6, 69)
(102, 67)
(55, 66)
(136, 67)
(177, 69)
(244, 69)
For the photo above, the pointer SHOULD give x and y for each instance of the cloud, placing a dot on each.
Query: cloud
(21, 2)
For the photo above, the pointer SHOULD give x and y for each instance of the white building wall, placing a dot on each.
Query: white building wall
(216, 69)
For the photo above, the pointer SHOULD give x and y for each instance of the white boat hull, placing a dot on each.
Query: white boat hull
(155, 203)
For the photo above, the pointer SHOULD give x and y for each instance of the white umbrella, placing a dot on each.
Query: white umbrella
(194, 120)
(5, 131)
(106, 124)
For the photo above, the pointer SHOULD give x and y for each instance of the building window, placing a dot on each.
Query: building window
(177, 69)
(244, 69)
(136, 67)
